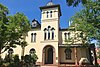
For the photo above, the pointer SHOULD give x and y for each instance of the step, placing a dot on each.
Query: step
(49, 66)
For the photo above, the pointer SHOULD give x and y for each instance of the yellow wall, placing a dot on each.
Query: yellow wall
(81, 53)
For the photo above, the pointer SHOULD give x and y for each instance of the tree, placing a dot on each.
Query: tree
(88, 19)
(75, 2)
(23, 44)
(12, 28)
(3, 20)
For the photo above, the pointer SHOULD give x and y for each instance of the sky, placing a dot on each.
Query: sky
(31, 9)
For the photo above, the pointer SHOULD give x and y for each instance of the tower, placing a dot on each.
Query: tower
(50, 17)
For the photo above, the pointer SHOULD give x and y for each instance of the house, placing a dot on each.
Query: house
(53, 45)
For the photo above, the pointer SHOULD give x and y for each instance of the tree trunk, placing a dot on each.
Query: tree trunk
(23, 49)
(0, 53)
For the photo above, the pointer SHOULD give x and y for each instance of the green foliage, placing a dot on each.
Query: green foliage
(88, 19)
(11, 61)
(16, 59)
(32, 58)
(75, 2)
(12, 28)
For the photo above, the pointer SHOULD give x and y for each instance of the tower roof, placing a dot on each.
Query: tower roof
(50, 3)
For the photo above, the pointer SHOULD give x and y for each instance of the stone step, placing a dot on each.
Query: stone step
(49, 66)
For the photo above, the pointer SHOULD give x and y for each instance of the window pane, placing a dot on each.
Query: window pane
(68, 53)
(48, 35)
(44, 35)
(68, 35)
(50, 13)
(65, 35)
(32, 37)
(47, 14)
(52, 35)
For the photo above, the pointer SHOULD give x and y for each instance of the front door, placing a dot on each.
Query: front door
(50, 56)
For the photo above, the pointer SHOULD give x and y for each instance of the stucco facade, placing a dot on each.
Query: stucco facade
(49, 40)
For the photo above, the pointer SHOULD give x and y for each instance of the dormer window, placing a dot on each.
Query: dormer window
(34, 24)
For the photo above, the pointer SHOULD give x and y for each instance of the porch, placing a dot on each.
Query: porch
(74, 56)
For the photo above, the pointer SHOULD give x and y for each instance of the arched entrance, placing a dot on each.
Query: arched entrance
(48, 55)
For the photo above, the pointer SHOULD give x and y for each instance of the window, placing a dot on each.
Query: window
(52, 33)
(65, 35)
(33, 37)
(69, 35)
(49, 33)
(34, 24)
(45, 35)
(50, 13)
(68, 53)
(81, 35)
(47, 14)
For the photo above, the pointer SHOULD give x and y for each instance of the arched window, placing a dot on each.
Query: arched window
(68, 52)
(50, 13)
(65, 35)
(33, 37)
(47, 14)
(32, 51)
(69, 35)
(49, 32)
(48, 35)
(81, 34)
(52, 33)
(49, 27)
(45, 34)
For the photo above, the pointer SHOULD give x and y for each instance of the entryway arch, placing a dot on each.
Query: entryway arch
(48, 54)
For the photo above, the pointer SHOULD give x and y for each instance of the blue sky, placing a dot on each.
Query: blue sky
(31, 9)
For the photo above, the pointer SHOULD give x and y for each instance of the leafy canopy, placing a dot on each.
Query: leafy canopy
(88, 19)
(12, 28)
